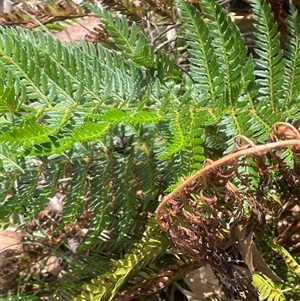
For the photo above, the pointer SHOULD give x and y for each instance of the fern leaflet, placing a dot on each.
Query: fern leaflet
(267, 288)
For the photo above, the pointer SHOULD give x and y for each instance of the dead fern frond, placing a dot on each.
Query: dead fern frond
(198, 213)
(29, 16)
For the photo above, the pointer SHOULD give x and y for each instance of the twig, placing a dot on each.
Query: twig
(165, 31)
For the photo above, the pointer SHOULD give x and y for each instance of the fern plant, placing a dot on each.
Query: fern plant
(111, 130)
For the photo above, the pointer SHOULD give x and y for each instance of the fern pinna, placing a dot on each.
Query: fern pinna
(110, 130)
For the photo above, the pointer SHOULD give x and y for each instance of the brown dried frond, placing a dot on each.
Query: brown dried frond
(30, 16)
(163, 8)
(134, 10)
(283, 130)
(203, 214)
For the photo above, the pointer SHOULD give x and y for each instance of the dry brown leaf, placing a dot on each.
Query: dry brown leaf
(10, 240)
(284, 130)
(261, 265)
(251, 255)
(245, 245)
(203, 283)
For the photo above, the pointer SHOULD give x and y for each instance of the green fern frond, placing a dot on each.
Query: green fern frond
(267, 288)
(127, 38)
(248, 80)
(73, 106)
(174, 135)
(134, 45)
(144, 252)
(8, 99)
(290, 261)
(246, 112)
(134, 116)
(257, 127)
(8, 160)
(228, 47)
(288, 157)
(64, 85)
(270, 61)
(22, 187)
(86, 132)
(204, 67)
(292, 58)
(35, 133)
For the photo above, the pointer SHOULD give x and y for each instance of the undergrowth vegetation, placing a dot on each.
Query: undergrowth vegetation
(118, 135)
